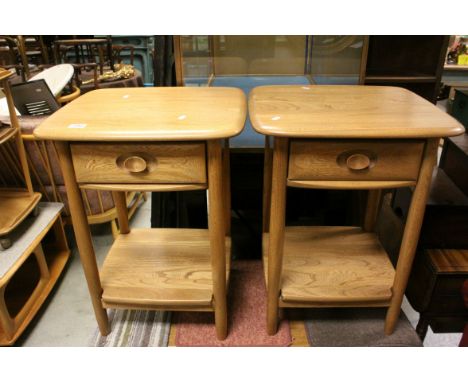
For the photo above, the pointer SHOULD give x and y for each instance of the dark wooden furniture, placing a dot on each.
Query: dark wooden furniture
(80, 51)
(435, 290)
(454, 161)
(464, 339)
(411, 62)
(445, 223)
(460, 106)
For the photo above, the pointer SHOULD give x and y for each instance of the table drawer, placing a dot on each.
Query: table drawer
(355, 159)
(139, 163)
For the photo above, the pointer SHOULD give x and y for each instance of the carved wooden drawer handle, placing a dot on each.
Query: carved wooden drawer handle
(358, 162)
(134, 163)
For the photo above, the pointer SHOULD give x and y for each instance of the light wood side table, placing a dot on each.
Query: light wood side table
(152, 139)
(342, 137)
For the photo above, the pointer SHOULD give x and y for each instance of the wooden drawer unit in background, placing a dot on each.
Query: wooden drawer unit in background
(435, 290)
(181, 162)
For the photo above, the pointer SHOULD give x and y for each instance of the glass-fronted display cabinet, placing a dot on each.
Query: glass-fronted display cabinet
(318, 59)
(250, 61)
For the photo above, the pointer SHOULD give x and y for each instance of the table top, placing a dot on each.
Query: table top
(249, 138)
(56, 77)
(136, 114)
(347, 111)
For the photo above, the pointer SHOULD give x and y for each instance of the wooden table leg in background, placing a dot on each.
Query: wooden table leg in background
(277, 222)
(216, 225)
(120, 202)
(372, 209)
(411, 233)
(83, 236)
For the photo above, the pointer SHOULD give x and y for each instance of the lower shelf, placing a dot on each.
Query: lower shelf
(160, 268)
(333, 266)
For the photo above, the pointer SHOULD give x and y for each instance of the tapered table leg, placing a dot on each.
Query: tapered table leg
(277, 222)
(411, 234)
(83, 236)
(217, 228)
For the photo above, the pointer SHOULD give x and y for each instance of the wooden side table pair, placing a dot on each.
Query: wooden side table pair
(160, 139)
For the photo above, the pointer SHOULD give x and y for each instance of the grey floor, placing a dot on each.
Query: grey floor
(67, 319)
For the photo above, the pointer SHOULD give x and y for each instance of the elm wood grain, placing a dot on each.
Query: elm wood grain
(15, 207)
(321, 304)
(217, 231)
(350, 185)
(343, 112)
(160, 267)
(411, 233)
(348, 111)
(331, 159)
(182, 162)
(179, 308)
(144, 187)
(276, 229)
(136, 114)
(333, 265)
(120, 202)
(82, 235)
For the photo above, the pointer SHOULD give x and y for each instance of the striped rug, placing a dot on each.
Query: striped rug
(135, 328)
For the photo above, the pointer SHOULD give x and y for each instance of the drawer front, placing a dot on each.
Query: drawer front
(450, 285)
(447, 305)
(139, 163)
(354, 159)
